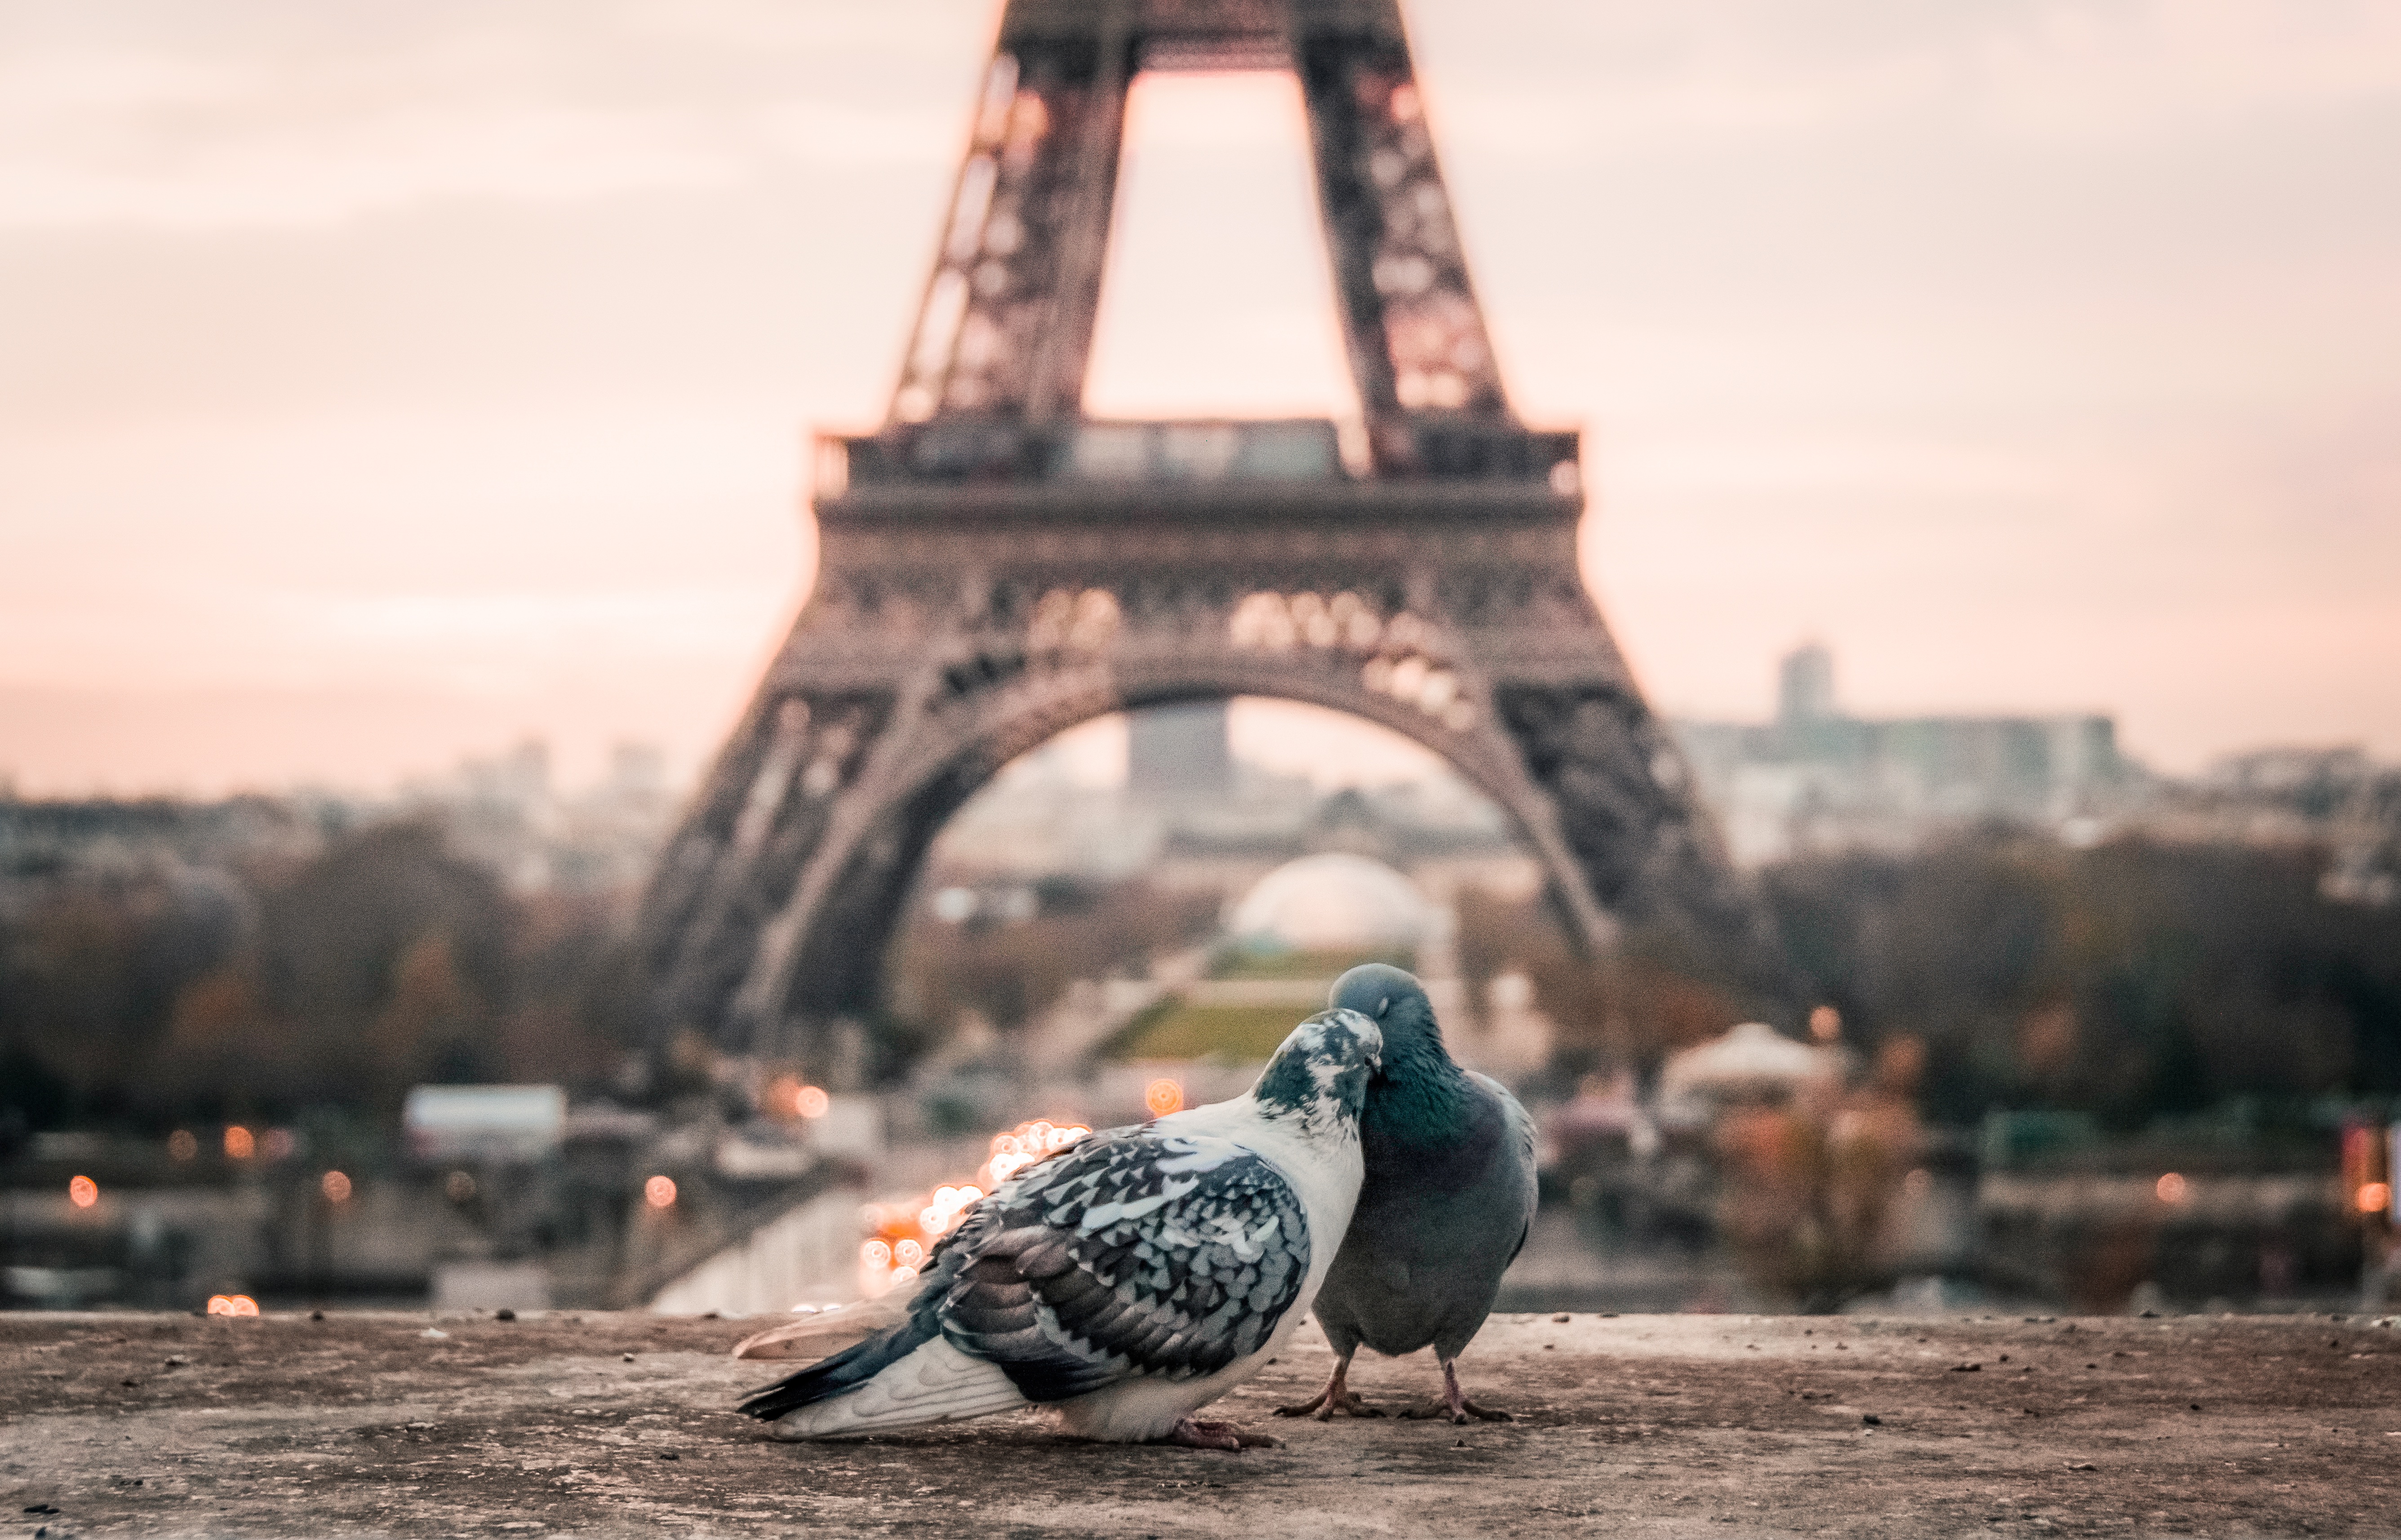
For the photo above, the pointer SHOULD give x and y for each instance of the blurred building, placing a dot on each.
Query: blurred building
(2331, 798)
(505, 813)
(1179, 754)
(508, 814)
(1189, 814)
(1818, 778)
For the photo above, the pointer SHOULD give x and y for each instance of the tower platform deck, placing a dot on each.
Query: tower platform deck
(1686, 1424)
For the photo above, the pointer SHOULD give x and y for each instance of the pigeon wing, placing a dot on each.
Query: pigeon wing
(1133, 1255)
(1517, 1150)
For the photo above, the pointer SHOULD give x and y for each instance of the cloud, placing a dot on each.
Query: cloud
(834, 133)
(1723, 73)
(2133, 72)
(202, 134)
(370, 165)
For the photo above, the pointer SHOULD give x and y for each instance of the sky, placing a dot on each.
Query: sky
(379, 385)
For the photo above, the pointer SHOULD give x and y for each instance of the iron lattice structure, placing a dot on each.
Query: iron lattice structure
(996, 567)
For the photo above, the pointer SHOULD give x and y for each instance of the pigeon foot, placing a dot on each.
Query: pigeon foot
(1193, 1433)
(1334, 1400)
(1455, 1406)
(1329, 1406)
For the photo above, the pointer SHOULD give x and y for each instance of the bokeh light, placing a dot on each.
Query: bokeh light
(902, 1235)
(2170, 1188)
(181, 1145)
(83, 1191)
(459, 1185)
(2374, 1197)
(659, 1191)
(232, 1304)
(278, 1144)
(239, 1143)
(335, 1186)
(1163, 1097)
(789, 1097)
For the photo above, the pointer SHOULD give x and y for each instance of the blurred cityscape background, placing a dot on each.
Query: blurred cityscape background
(2088, 1037)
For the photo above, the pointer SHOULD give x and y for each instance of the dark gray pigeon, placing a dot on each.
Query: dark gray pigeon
(1448, 1201)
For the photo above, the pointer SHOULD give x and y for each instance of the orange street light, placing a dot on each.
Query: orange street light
(83, 1191)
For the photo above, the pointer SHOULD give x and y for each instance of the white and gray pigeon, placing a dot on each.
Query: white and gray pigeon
(1129, 1280)
(1445, 1207)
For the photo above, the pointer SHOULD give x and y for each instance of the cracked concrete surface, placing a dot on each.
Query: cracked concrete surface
(362, 1425)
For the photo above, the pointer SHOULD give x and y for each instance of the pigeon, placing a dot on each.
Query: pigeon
(1130, 1279)
(1444, 1210)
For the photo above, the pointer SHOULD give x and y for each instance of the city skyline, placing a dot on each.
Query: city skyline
(383, 391)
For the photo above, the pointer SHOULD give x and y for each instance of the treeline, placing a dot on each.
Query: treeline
(160, 985)
(2131, 981)
(145, 993)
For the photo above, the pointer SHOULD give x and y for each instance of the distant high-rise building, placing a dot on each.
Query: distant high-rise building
(1179, 754)
(1805, 685)
(1818, 778)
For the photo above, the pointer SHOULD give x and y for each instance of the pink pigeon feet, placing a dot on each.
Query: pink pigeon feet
(1334, 1400)
(1192, 1434)
(1455, 1404)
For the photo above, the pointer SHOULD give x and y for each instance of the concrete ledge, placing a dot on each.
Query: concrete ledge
(1659, 1424)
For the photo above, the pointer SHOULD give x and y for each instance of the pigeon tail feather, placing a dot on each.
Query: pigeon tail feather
(844, 1371)
(933, 1382)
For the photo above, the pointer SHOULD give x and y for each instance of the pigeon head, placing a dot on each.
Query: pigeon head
(1419, 1096)
(1320, 1073)
(1394, 1000)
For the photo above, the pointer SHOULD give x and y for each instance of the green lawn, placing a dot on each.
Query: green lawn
(1325, 965)
(1231, 1034)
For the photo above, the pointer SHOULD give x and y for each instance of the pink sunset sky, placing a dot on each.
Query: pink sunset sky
(383, 384)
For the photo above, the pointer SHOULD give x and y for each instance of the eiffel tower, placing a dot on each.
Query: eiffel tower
(996, 568)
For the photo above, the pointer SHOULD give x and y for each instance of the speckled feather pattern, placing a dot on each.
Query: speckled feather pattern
(1128, 1279)
(1137, 1253)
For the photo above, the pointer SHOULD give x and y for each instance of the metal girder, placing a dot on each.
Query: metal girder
(1006, 327)
(994, 568)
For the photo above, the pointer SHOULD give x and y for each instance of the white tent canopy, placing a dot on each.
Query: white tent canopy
(1752, 1055)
